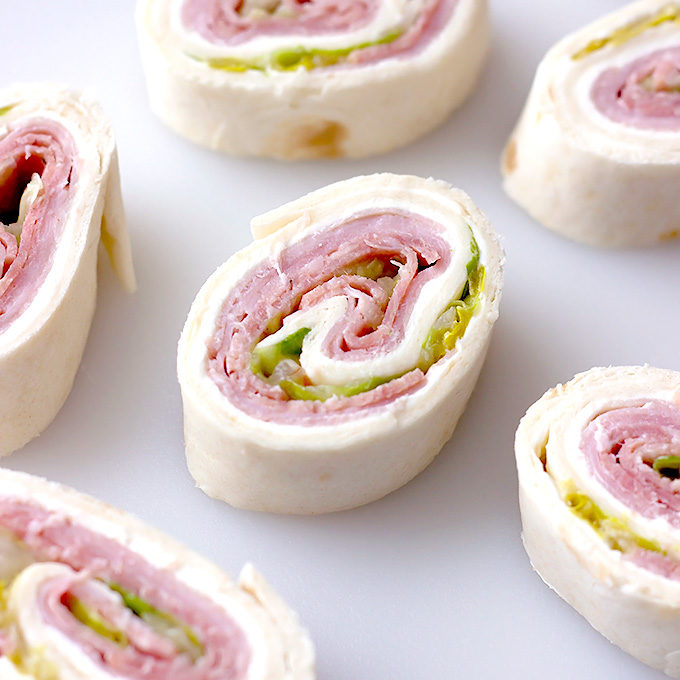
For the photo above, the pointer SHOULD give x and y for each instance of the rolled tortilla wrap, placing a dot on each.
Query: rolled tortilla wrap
(93, 594)
(291, 79)
(596, 153)
(598, 463)
(327, 363)
(59, 197)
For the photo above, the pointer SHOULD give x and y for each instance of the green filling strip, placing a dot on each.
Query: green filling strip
(184, 639)
(623, 35)
(290, 59)
(668, 466)
(6, 109)
(439, 340)
(612, 530)
(90, 618)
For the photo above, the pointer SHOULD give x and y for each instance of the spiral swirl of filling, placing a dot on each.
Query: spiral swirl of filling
(240, 20)
(644, 93)
(132, 619)
(337, 325)
(285, 35)
(634, 453)
(38, 176)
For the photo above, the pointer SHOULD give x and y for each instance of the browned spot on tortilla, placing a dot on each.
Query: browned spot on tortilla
(510, 157)
(310, 139)
(669, 235)
(543, 455)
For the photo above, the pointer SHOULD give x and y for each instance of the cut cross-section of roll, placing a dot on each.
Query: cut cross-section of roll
(59, 197)
(598, 462)
(327, 363)
(292, 79)
(90, 593)
(596, 153)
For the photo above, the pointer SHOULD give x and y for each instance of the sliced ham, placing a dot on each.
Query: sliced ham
(93, 593)
(595, 155)
(239, 20)
(50, 537)
(621, 446)
(364, 269)
(291, 79)
(231, 24)
(644, 93)
(600, 524)
(295, 277)
(42, 146)
(59, 198)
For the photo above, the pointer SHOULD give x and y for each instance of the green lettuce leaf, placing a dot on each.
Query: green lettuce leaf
(454, 320)
(670, 12)
(266, 359)
(612, 530)
(368, 269)
(291, 59)
(90, 618)
(166, 625)
(322, 392)
(184, 639)
(668, 466)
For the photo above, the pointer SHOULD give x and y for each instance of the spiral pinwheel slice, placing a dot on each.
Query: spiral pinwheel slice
(598, 462)
(327, 363)
(596, 153)
(293, 79)
(90, 593)
(59, 197)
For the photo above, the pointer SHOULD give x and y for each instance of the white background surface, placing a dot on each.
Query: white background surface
(431, 582)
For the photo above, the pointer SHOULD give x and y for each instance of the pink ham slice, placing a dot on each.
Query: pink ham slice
(33, 146)
(644, 93)
(52, 537)
(224, 23)
(303, 276)
(656, 562)
(8, 250)
(620, 447)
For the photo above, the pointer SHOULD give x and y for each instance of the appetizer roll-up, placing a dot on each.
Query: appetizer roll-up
(327, 363)
(306, 79)
(90, 593)
(596, 153)
(598, 462)
(59, 197)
